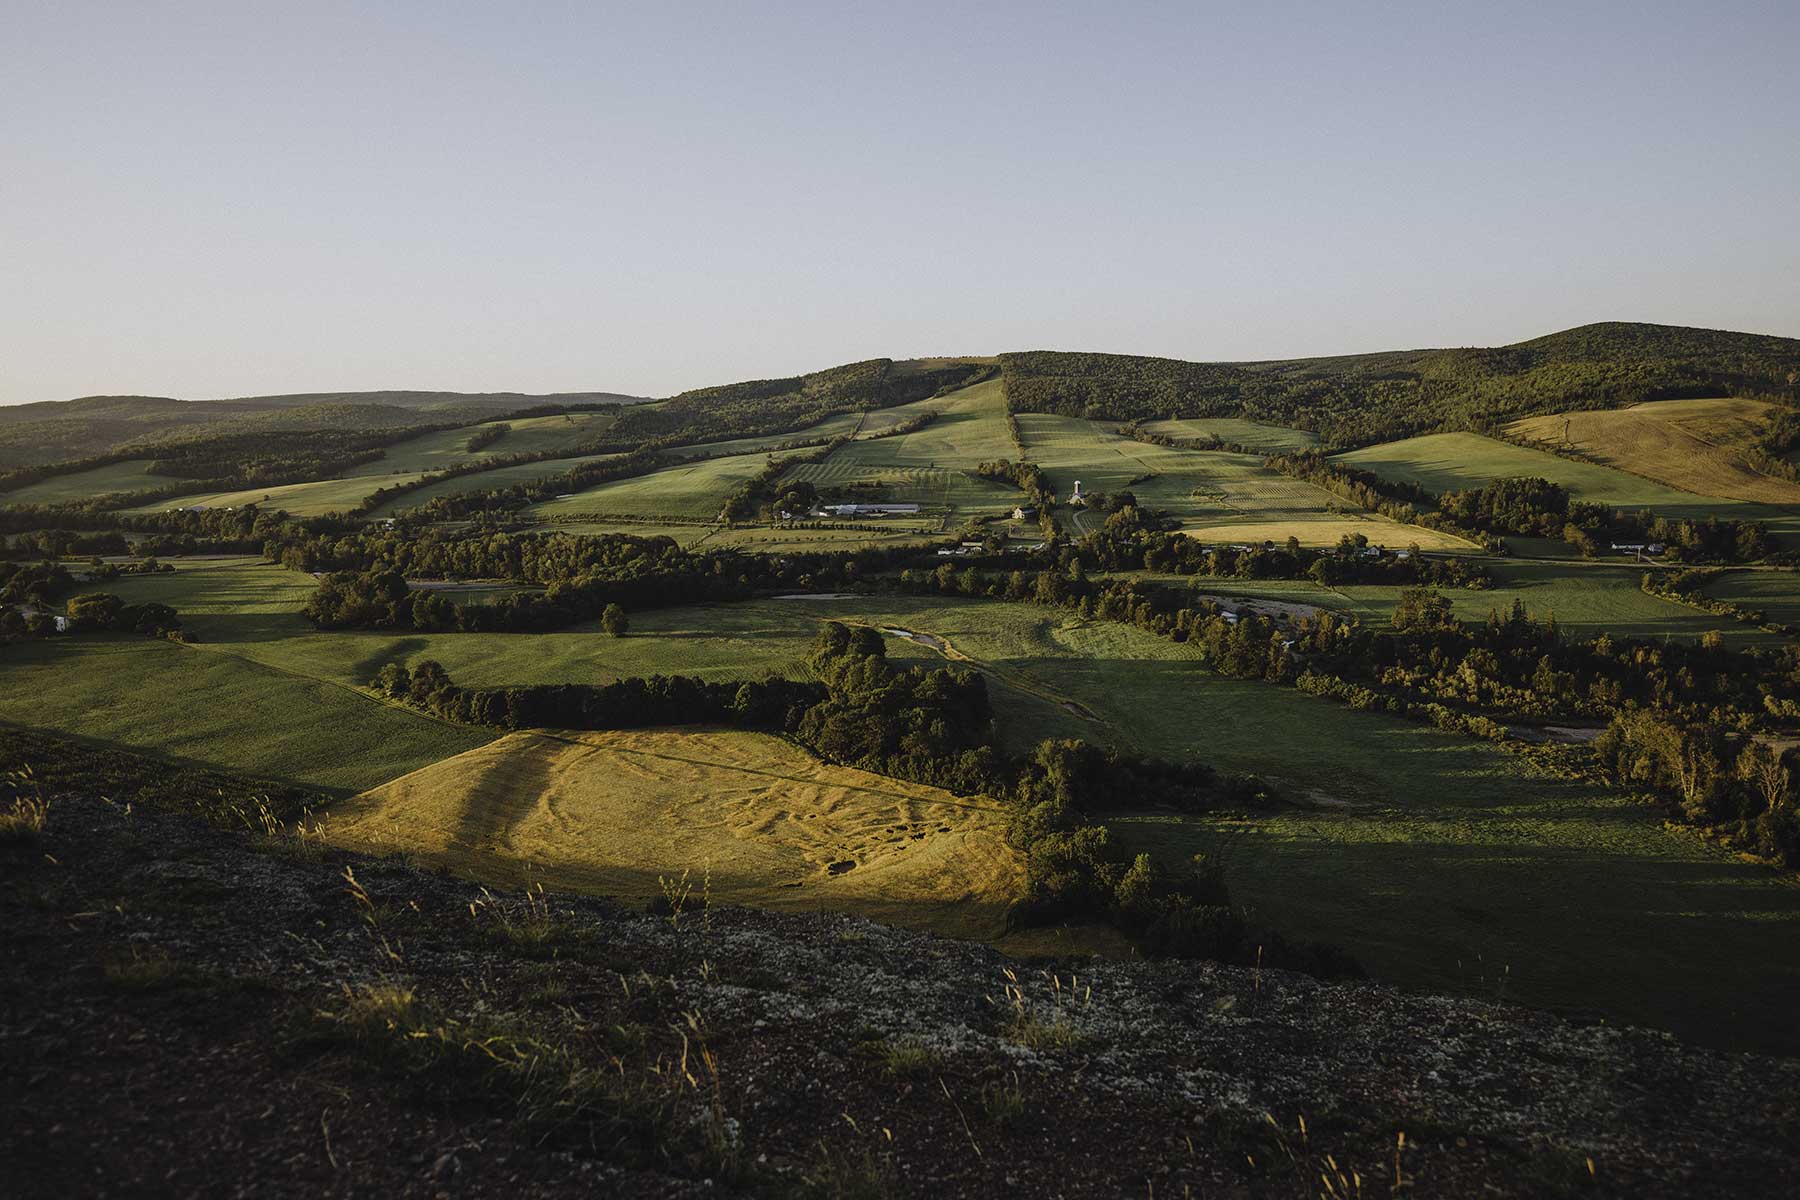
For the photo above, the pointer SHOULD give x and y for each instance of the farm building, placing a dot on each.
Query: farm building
(1025, 512)
(869, 510)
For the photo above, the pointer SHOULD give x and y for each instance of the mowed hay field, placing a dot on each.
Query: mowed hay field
(1776, 594)
(691, 490)
(129, 476)
(479, 481)
(1218, 497)
(221, 710)
(448, 447)
(746, 816)
(933, 467)
(245, 608)
(1586, 600)
(1265, 439)
(313, 499)
(1695, 445)
(1448, 462)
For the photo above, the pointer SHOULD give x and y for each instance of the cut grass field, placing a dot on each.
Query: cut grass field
(129, 476)
(220, 710)
(1586, 600)
(477, 481)
(1696, 445)
(1774, 593)
(249, 609)
(1218, 497)
(313, 499)
(691, 490)
(1265, 439)
(934, 466)
(745, 816)
(447, 447)
(1442, 462)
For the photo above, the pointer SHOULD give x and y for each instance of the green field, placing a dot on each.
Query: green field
(1586, 600)
(495, 477)
(1774, 593)
(692, 490)
(1215, 496)
(448, 447)
(221, 710)
(313, 499)
(128, 476)
(1266, 439)
(1699, 446)
(251, 609)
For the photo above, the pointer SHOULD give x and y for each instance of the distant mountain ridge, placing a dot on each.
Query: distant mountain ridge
(1348, 400)
(50, 430)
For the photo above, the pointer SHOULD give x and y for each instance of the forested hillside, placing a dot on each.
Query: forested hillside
(92, 426)
(1366, 398)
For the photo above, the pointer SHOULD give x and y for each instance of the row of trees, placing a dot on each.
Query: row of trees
(1428, 666)
(934, 726)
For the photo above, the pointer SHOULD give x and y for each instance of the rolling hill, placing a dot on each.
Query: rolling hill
(1358, 399)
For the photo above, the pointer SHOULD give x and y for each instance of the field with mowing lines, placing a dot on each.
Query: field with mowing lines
(1695, 445)
(221, 710)
(250, 609)
(128, 476)
(445, 448)
(750, 818)
(970, 430)
(1445, 462)
(1266, 439)
(496, 477)
(1774, 593)
(313, 499)
(1216, 496)
(1587, 600)
(691, 490)
(858, 424)
(932, 466)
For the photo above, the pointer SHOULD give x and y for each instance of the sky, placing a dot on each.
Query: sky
(223, 199)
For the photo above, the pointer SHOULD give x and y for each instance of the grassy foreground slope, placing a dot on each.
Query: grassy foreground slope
(1696, 445)
(747, 816)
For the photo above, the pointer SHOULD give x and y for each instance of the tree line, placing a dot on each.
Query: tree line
(934, 726)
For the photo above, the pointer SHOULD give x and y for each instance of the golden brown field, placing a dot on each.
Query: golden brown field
(1695, 445)
(612, 812)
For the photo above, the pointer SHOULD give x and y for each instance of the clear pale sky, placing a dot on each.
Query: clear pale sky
(207, 200)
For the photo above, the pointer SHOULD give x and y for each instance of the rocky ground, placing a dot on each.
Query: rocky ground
(186, 1011)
